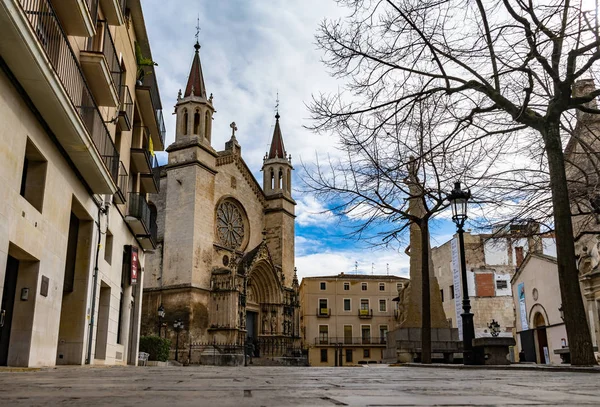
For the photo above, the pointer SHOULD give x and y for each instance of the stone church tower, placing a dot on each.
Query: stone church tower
(224, 265)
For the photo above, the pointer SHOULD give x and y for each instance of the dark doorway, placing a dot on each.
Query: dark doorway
(252, 331)
(528, 345)
(542, 343)
(8, 302)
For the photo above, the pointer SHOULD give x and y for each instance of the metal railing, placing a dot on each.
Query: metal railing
(52, 38)
(122, 182)
(139, 209)
(347, 340)
(103, 42)
(126, 103)
(156, 171)
(149, 81)
(365, 313)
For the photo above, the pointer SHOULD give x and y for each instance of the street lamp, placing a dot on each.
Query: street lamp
(458, 200)
(178, 326)
(161, 315)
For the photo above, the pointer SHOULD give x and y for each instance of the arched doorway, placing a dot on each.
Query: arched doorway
(539, 322)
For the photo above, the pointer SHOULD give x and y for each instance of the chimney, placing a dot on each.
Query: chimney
(519, 255)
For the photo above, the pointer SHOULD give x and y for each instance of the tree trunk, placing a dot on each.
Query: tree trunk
(578, 332)
(426, 301)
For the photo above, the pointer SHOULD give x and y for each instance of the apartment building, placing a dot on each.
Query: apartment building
(80, 122)
(345, 318)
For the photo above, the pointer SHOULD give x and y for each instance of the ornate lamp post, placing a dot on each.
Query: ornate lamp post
(458, 200)
(161, 315)
(178, 326)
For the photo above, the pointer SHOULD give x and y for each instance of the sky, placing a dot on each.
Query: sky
(251, 52)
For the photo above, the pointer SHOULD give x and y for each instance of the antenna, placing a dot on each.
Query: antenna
(355, 267)
(372, 268)
(387, 265)
(277, 105)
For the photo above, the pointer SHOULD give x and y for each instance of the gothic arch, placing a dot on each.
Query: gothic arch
(197, 122)
(185, 122)
(266, 288)
(207, 125)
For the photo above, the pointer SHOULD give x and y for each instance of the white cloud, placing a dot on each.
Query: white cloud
(311, 212)
(343, 261)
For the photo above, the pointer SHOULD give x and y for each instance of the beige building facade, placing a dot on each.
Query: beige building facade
(345, 318)
(225, 259)
(536, 294)
(75, 166)
(491, 263)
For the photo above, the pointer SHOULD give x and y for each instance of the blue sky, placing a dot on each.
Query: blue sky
(251, 50)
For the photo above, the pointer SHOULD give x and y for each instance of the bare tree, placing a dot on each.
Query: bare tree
(392, 178)
(506, 66)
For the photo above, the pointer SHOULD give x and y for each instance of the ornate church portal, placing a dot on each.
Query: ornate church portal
(224, 264)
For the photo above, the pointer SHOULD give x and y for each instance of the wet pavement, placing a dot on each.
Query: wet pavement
(295, 386)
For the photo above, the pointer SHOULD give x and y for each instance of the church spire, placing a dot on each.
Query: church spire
(277, 149)
(195, 85)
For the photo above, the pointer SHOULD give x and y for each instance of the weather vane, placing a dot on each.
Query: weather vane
(198, 28)
(277, 104)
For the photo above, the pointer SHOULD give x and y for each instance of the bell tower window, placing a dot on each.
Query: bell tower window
(197, 122)
(185, 122)
(207, 125)
(272, 179)
(280, 186)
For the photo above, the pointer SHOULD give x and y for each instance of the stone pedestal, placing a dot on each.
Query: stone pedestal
(492, 351)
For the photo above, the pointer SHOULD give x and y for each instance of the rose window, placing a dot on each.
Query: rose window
(230, 225)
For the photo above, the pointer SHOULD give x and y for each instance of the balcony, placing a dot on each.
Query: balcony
(77, 17)
(150, 182)
(351, 341)
(323, 312)
(39, 55)
(100, 64)
(365, 313)
(125, 120)
(142, 220)
(148, 99)
(114, 11)
(119, 196)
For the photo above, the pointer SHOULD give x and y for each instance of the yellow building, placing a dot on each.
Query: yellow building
(80, 121)
(345, 318)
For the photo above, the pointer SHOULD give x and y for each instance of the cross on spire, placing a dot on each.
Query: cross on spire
(277, 106)
(233, 129)
(197, 27)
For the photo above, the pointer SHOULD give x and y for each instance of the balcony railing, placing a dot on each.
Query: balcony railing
(119, 196)
(55, 43)
(323, 312)
(139, 209)
(347, 340)
(365, 313)
(103, 42)
(149, 81)
(125, 108)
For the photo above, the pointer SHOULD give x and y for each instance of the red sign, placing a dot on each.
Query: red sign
(134, 265)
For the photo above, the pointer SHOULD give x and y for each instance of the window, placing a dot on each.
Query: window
(382, 306)
(399, 286)
(324, 355)
(366, 353)
(381, 286)
(323, 334)
(207, 120)
(363, 286)
(197, 123)
(364, 305)
(348, 334)
(185, 122)
(347, 306)
(33, 178)
(365, 331)
(452, 292)
(383, 330)
(348, 355)
(501, 284)
(323, 308)
(442, 294)
(323, 285)
(346, 286)
(108, 247)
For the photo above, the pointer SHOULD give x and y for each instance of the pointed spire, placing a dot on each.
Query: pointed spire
(195, 85)
(277, 149)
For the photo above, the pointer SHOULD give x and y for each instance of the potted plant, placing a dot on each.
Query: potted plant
(141, 63)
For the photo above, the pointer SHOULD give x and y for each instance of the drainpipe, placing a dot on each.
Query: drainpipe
(101, 209)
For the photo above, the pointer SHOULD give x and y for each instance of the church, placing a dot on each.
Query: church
(224, 262)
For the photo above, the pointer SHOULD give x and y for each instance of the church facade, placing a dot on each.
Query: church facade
(224, 265)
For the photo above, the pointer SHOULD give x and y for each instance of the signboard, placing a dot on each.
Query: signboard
(457, 285)
(522, 308)
(134, 265)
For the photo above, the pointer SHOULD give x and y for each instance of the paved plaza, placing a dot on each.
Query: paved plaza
(289, 386)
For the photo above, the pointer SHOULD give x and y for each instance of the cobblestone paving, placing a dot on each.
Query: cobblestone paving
(289, 386)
